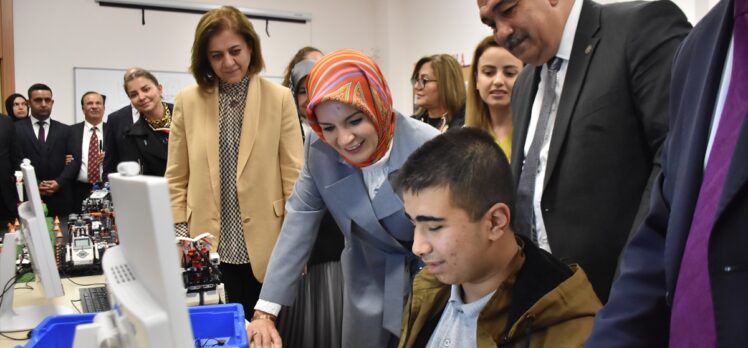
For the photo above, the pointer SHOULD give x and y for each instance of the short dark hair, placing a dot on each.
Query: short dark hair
(38, 87)
(212, 23)
(103, 97)
(469, 163)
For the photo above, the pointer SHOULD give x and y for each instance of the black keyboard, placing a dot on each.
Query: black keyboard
(94, 299)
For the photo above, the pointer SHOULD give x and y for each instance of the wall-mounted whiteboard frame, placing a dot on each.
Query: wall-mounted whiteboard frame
(109, 82)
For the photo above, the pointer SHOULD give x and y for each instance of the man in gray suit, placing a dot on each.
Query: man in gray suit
(590, 114)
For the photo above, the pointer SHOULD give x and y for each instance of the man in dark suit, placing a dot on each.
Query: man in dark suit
(87, 142)
(683, 276)
(44, 141)
(118, 123)
(589, 124)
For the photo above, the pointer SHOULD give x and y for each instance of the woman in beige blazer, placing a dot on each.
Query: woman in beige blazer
(235, 152)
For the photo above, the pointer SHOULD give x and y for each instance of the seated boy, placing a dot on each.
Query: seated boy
(482, 285)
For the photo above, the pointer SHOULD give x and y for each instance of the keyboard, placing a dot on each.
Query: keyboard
(95, 299)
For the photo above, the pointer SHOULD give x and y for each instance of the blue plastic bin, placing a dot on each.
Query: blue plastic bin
(225, 322)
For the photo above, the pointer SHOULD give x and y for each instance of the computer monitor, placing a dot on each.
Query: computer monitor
(142, 273)
(36, 237)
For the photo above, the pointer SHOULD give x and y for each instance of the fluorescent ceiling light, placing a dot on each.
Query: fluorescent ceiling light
(189, 7)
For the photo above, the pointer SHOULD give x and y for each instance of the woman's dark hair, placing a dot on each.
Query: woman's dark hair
(212, 23)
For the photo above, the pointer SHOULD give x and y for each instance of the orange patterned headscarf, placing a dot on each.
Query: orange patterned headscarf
(350, 77)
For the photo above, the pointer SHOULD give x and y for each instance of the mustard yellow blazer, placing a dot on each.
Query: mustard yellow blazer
(270, 159)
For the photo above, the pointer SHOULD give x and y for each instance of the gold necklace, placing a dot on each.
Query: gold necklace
(164, 122)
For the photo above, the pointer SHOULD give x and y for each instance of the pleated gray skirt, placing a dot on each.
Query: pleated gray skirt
(315, 318)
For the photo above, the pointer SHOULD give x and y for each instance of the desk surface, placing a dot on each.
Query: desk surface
(24, 297)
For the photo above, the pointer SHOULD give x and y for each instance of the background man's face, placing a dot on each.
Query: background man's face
(40, 102)
(93, 108)
(530, 29)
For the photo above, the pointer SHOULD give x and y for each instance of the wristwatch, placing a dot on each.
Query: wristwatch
(263, 315)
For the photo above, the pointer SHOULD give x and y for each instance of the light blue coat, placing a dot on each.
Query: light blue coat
(377, 263)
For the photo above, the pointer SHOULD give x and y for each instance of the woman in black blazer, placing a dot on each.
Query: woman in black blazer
(147, 141)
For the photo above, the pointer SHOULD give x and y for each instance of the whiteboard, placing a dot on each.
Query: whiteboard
(110, 82)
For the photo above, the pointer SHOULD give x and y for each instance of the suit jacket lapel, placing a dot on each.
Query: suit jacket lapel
(692, 143)
(79, 130)
(349, 193)
(104, 129)
(521, 114)
(210, 127)
(585, 42)
(28, 128)
(52, 136)
(738, 172)
(249, 123)
(386, 202)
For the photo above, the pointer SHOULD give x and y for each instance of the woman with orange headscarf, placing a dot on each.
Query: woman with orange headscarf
(359, 142)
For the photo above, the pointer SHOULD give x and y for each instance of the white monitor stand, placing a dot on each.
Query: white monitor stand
(25, 317)
(36, 236)
(142, 273)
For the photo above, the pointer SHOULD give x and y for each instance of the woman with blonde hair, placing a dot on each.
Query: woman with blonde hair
(235, 152)
(492, 75)
(439, 91)
(147, 141)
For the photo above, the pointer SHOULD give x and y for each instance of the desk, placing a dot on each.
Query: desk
(26, 297)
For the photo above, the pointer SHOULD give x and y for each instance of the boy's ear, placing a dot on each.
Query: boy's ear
(497, 218)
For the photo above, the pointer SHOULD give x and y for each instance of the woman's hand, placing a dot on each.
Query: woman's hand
(262, 333)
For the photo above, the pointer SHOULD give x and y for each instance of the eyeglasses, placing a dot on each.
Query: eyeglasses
(421, 82)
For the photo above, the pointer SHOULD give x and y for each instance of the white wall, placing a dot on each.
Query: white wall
(428, 27)
(424, 27)
(53, 36)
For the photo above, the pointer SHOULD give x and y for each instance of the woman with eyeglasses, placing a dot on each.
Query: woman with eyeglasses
(492, 75)
(359, 142)
(439, 91)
